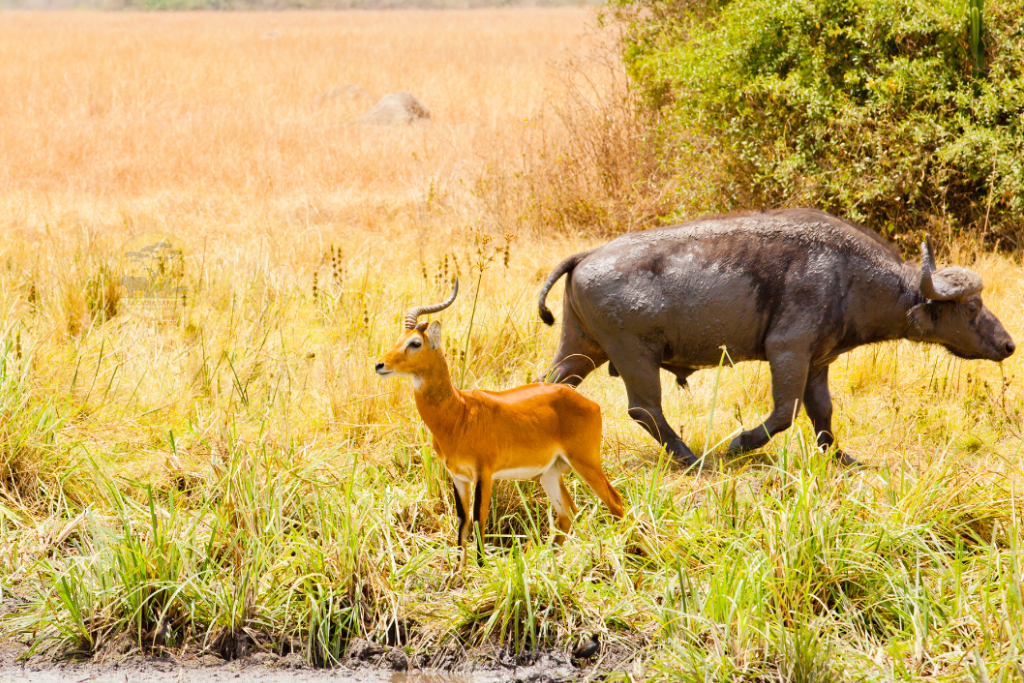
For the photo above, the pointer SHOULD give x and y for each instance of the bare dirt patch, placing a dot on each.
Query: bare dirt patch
(547, 667)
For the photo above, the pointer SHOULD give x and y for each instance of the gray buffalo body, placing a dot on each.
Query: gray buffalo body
(795, 287)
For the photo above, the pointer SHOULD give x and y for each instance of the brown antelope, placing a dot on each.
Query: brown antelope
(536, 432)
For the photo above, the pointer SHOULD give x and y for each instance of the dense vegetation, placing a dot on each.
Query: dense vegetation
(231, 476)
(907, 115)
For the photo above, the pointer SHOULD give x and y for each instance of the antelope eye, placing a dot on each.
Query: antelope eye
(415, 344)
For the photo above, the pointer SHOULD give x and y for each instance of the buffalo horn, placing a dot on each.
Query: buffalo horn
(947, 284)
(416, 311)
(927, 258)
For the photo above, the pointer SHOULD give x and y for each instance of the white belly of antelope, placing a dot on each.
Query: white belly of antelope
(557, 464)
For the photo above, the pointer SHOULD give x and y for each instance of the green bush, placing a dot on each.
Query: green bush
(883, 111)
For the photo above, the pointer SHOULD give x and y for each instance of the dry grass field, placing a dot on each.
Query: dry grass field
(232, 475)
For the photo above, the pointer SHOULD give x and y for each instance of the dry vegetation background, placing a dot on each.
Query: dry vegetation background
(215, 129)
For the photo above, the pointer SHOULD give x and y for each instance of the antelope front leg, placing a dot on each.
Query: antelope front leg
(481, 506)
(463, 503)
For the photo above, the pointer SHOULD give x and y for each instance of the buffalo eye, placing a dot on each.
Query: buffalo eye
(973, 307)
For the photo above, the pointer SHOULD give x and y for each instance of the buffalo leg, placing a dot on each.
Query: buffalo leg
(643, 389)
(571, 369)
(789, 378)
(578, 353)
(818, 404)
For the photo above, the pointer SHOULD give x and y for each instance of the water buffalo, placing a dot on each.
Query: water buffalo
(794, 287)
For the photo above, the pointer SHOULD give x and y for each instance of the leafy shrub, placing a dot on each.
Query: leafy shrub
(884, 111)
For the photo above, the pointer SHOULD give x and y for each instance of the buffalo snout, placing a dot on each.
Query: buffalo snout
(1005, 346)
(967, 335)
(996, 343)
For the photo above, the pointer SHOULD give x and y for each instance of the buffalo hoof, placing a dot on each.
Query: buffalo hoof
(688, 461)
(694, 466)
(736, 447)
(847, 460)
(682, 456)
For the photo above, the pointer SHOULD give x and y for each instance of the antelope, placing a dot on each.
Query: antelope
(534, 432)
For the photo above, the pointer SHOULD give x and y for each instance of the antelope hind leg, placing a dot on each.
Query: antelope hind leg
(563, 504)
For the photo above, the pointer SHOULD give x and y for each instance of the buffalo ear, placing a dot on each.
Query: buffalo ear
(921, 319)
(434, 334)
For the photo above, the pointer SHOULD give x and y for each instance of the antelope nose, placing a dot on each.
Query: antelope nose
(379, 366)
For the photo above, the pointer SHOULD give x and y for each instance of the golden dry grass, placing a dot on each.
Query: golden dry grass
(205, 127)
(127, 105)
(212, 129)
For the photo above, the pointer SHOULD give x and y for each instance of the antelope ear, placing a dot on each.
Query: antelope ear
(434, 334)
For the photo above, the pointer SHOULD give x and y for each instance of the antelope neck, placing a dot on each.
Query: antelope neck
(439, 403)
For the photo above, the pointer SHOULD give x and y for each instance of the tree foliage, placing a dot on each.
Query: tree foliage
(903, 114)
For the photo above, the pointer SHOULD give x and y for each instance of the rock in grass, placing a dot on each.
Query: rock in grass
(293, 660)
(588, 648)
(395, 109)
(262, 658)
(549, 667)
(397, 659)
(362, 649)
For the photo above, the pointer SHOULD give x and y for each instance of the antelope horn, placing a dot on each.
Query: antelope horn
(949, 283)
(416, 311)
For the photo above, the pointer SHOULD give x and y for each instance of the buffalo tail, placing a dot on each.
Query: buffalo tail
(564, 267)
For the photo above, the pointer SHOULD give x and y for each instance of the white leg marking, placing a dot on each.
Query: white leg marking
(549, 480)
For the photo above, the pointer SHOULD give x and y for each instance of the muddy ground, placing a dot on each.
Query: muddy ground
(546, 667)
(368, 662)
